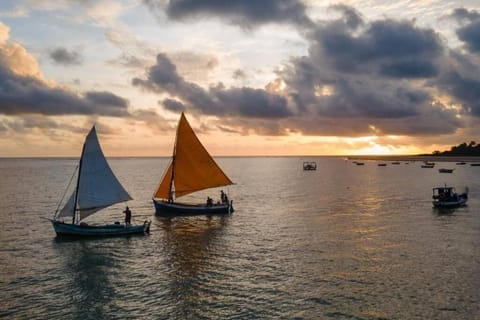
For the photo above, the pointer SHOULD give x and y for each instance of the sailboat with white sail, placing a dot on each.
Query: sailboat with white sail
(191, 169)
(97, 188)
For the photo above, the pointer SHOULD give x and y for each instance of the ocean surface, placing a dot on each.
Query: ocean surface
(342, 242)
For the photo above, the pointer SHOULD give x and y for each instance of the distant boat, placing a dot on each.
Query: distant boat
(460, 163)
(444, 170)
(359, 163)
(96, 188)
(475, 164)
(395, 162)
(447, 197)
(382, 164)
(309, 165)
(428, 165)
(191, 169)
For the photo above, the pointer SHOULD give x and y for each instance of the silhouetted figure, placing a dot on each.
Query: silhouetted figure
(128, 216)
(209, 201)
(223, 196)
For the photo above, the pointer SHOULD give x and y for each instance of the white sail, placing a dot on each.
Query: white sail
(67, 210)
(98, 187)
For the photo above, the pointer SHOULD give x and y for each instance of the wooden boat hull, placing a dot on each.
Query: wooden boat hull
(169, 209)
(110, 230)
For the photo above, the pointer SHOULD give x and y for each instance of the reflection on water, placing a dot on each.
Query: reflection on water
(341, 242)
(87, 278)
(190, 242)
(191, 247)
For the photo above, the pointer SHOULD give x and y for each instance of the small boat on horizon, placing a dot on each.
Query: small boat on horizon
(97, 188)
(382, 164)
(475, 164)
(447, 197)
(191, 169)
(428, 166)
(359, 163)
(460, 163)
(445, 170)
(309, 165)
(395, 162)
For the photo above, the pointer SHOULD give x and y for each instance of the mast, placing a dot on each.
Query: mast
(172, 177)
(78, 183)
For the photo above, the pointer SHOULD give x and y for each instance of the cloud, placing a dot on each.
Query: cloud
(381, 77)
(239, 75)
(217, 100)
(351, 17)
(23, 94)
(129, 62)
(464, 89)
(464, 15)
(63, 56)
(15, 57)
(173, 105)
(469, 28)
(26, 91)
(382, 46)
(246, 14)
(153, 120)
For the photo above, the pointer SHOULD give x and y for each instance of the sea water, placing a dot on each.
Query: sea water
(341, 242)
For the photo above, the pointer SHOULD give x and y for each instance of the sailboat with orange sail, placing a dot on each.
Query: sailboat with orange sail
(191, 169)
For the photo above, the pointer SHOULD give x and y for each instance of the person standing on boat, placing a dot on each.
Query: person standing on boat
(128, 216)
(224, 197)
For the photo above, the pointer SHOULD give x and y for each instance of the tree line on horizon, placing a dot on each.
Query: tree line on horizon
(463, 149)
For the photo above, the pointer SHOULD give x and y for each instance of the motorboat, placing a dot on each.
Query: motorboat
(447, 197)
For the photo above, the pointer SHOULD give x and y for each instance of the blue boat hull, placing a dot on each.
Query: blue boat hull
(460, 201)
(109, 230)
(172, 209)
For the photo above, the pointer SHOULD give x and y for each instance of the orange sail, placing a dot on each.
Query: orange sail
(192, 168)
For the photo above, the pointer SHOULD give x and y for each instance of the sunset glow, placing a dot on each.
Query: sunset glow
(294, 78)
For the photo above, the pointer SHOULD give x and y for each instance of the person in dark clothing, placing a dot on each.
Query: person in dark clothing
(209, 201)
(128, 216)
(224, 197)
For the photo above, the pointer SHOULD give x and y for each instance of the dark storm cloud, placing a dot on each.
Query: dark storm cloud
(358, 78)
(470, 34)
(469, 30)
(351, 16)
(466, 90)
(246, 14)
(63, 56)
(218, 100)
(173, 105)
(104, 99)
(409, 69)
(462, 15)
(382, 44)
(358, 74)
(23, 94)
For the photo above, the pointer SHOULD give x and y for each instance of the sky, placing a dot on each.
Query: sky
(270, 77)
